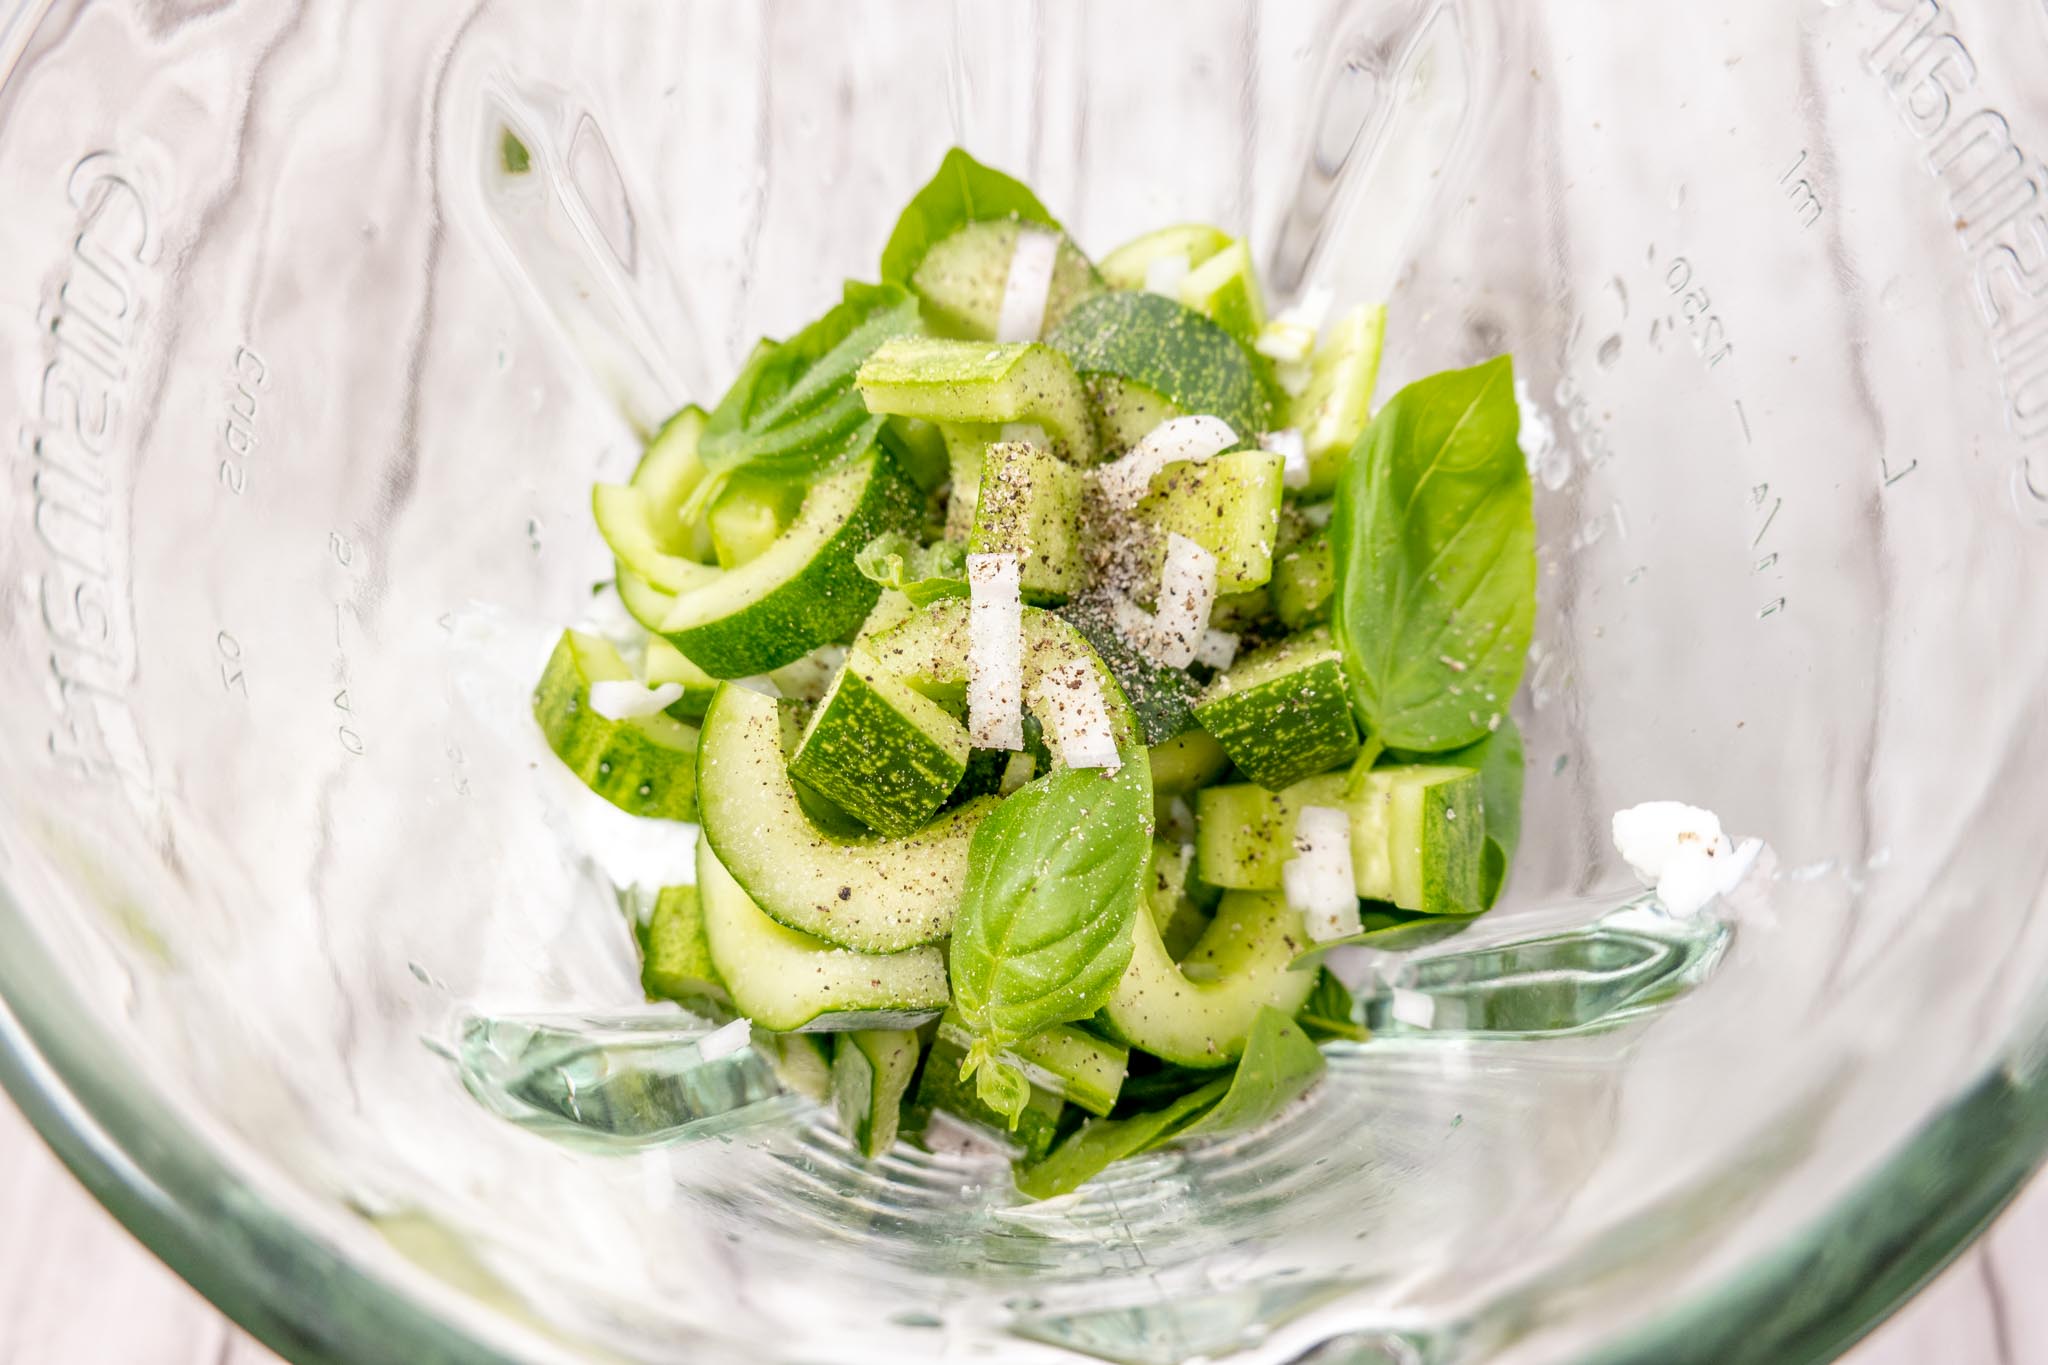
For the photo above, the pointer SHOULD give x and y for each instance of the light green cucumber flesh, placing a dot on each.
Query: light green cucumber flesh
(802, 1061)
(1125, 412)
(643, 601)
(645, 765)
(804, 590)
(965, 444)
(645, 540)
(1029, 504)
(963, 276)
(1187, 761)
(1172, 350)
(1199, 1012)
(881, 751)
(1229, 505)
(749, 515)
(1304, 581)
(1333, 410)
(1284, 712)
(1418, 834)
(789, 982)
(666, 664)
(1225, 289)
(1180, 920)
(945, 381)
(669, 469)
(675, 959)
(871, 1071)
(1127, 266)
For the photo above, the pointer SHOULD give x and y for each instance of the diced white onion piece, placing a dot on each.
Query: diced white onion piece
(1028, 432)
(995, 651)
(1135, 627)
(1023, 312)
(1311, 310)
(1187, 594)
(1070, 696)
(1287, 342)
(1293, 452)
(737, 1036)
(1218, 649)
(1319, 880)
(1682, 851)
(1124, 481)
(1293, 377)
(628, 700)
(1164, 275)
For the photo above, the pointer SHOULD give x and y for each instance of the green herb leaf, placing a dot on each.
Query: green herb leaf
(923, 573)
(1330, 1012)
(1055, 875)
(1280, 1063)
(1100, 1143)
(1435, 549)
(964, 191)
(1498, 758)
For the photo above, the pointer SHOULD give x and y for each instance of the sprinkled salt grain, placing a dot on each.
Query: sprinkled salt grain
(995, 651)
(1293, 452)
(1164, 275)
(1124, 481)
(737, 1036)
(1070, 698)
(1218, 649)
(1022, 315)
(1319, 880)
(629, 700)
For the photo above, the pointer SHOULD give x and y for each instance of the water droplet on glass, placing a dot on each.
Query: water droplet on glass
(533, 530)
(1609, 352)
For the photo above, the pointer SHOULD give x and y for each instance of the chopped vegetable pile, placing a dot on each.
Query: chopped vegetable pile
(1060, 658)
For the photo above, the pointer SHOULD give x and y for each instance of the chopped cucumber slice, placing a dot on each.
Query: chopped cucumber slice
(1070, 1062)
(1200, 1011)
(1332, 411)
(789, 982)
(919, 448)
(874, 894)
(1284, 712)
(965, 444)
(645, 765)
(643, 601)
(1418, 834)
(1180, 919)
(1304, 581)
(941, 1088)
(1030, 504)
(1187, 761)
(675, 957)
(749, 515)
(962, 277)
(978, 382)
(871, 1072)
(882, 752)
(1229, 505)
(669, 469)
(1127, 266)
(667, 664)
(639, 534)
(1125, 411)
(1224, 289)
(804, 590)
(1172, 350)
(802, 1061)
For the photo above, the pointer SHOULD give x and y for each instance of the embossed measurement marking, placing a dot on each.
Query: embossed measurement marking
(249, 376)
(1806, 205)
(346, 732)
(233, 678)
(1709, 333)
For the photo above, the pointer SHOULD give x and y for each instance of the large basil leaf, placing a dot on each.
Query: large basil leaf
(1099, 1143)
(923, 573)
(1435, 548)
(1055, 876)
(1498, 758)
(964, 191)
(1330, 1011)
(1280, 1063)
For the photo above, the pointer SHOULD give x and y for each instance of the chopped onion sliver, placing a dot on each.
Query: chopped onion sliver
(1319, 880)
(1287, 342)
(1311, 310)
(1287, 443)
(1218, 649)
(1164, 275)
(1187, 594)
(1071, 697)
(1023, 312)
(628, 700)
(1125, 481)
(995, 651)
(737, 1036)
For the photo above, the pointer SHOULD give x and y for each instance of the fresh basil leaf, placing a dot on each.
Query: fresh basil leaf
(963, 191)
(1330, 1012)
(923, 573)
(1100, 1143)
(1498, 758)
(1389, 931)
(1435, 548)
(1280, 1063)
(1055, 876)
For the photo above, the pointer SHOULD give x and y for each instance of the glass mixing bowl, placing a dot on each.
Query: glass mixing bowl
(312, 962)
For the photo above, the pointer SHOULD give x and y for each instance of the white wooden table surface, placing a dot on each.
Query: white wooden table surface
(75, 1289)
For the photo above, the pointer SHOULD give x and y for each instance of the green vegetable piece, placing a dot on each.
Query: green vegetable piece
(1228, 505)
(1162, 698)
(941, 1088)
(871, 1071)
(749, 515)
(922, 573)
(1125, 411)
(1498, 758)
(1330, 1012)
(644, 765)
(1070, 1062)
(1435, 548)
(963, 277)
(1030, 505)
(882, 752)
(512, 153)
(667, 664)
(1279, 1065)
(1187, 761)
(1127, 266)
(675, 957)
(1054, 880)
(1283, 712)
(1304, 581)
(962, 191)
(1225, 289)
(1172, 350)
(982, 382)
(1332, 410)
(1099, 1144)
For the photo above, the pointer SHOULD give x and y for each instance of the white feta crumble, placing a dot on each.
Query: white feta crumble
(1022, 315)
(995, 651)
(1681, 851)
(625, 699)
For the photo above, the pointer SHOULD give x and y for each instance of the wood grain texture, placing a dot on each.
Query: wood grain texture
(76, 1288)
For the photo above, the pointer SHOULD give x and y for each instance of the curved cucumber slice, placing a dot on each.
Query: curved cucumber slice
(791, 982)
(1284, 713)
(1170, 349)
(1127, 266)
(976, 382)
(675, 959)
(1030, 504)
(1187, 761)
(1125, 411)
(644, 602)
(1304, 581)
(1230, 506)
(640, 520)
(804, 590)
(749, 515)
(871, 1072)
(875, 895)
(646, 765)
(963, 275)
(885, 754)
(1225, 289)
(1201, 1012)
(1333, 409)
